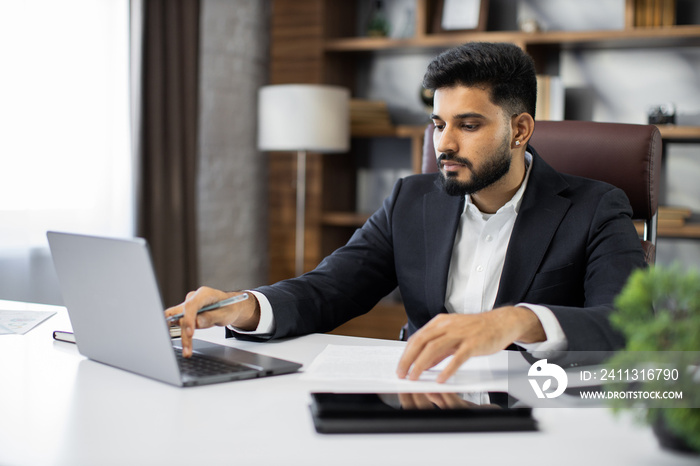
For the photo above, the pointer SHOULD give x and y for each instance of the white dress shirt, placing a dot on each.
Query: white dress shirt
(477, 261)
(475, 272)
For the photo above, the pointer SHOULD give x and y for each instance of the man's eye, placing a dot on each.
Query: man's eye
(439, 127)
(470, 127)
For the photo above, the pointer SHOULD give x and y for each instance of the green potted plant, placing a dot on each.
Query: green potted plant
(658, 311)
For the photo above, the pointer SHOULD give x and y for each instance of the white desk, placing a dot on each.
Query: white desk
(56, 407)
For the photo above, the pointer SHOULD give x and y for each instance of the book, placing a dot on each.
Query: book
(69, 337)
(654, 13)
(670, 216)
(370, 117)
(550, 98)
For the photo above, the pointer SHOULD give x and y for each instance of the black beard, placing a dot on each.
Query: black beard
(495, 169)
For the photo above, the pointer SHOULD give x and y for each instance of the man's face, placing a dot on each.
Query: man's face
(471, 139)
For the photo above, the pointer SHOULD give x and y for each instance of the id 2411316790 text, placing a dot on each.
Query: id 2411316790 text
(630, 375)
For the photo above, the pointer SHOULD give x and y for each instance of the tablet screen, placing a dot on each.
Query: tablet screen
(418, 412)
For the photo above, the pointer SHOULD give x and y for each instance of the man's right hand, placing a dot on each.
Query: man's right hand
(244, 315)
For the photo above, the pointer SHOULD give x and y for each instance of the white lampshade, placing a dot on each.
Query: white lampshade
(304, 117)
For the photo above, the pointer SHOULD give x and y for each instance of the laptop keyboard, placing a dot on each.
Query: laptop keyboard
(199, 366)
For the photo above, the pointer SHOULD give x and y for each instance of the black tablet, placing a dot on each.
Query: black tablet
(413, 412)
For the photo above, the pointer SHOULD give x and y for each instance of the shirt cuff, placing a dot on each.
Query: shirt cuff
(266, 326)
(556, 339)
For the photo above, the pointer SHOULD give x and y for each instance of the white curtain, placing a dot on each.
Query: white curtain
(65, 146)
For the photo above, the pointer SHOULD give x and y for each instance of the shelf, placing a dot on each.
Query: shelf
(400, 131)
(344, 219)
(625, 37)
(688, 231)
(679, 133)
(408, 131)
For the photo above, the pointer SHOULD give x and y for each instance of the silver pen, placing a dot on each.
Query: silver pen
(211, 307)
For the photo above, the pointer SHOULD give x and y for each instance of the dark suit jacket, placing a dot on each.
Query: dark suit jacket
(572, 248)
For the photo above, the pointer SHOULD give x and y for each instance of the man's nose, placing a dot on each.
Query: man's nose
(445, 141)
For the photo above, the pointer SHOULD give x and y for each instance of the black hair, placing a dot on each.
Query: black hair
(504, 68)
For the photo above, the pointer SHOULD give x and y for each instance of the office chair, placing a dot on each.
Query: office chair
(624, 155)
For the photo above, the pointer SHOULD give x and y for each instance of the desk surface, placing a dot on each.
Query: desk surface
(56, 407)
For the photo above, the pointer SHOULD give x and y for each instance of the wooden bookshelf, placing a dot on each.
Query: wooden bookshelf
(315, 41)
(344, 219)
(679, 133)
(624, 38)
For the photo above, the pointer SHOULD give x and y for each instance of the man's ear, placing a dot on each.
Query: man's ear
(523, 127)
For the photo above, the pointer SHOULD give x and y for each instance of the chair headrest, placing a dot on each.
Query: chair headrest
(625, 155)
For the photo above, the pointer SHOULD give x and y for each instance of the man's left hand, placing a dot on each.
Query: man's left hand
(464, 336)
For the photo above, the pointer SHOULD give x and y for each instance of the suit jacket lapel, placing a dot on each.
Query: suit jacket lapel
(441, 214)
(541, 212)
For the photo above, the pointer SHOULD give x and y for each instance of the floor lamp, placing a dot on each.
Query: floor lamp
(302, 118)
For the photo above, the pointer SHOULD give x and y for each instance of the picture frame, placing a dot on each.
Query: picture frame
(460, 15)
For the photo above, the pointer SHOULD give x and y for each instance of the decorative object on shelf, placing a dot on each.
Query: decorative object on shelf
(378, 24)
(529, 25)
(658, 311)
(370, 117)
(673, 217)
(550, 98)
(462, 15)
(408, 27)
(572, 15)
(688, 119)
(654, 13)
(426, 96)
(662, 114)
(301, 118)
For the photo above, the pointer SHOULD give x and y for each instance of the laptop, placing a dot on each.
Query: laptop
(114, 304)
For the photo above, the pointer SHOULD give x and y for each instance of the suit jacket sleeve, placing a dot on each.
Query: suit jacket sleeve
(612, 252)
(572, 249)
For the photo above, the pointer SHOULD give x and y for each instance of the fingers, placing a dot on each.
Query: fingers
(415, 345)
(194, 301)
(432, 354)
(449, 401)
(461, 336)
(415, 401)
(187, 324)
(406, 401)
(179, 309)
(425, 349)
(458, 358)
(435, 352)
(433, 401)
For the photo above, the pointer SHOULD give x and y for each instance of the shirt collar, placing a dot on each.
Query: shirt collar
(514, 203)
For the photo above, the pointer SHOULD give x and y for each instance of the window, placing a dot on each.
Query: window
(65, 161)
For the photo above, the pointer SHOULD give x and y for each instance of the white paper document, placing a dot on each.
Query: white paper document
(375, 366)
(21, 322)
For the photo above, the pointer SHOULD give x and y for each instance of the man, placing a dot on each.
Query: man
(496, 249)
